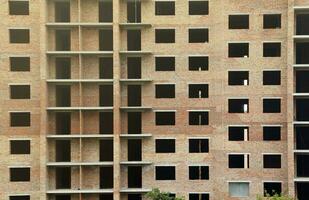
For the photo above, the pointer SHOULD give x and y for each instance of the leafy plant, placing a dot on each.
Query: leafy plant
(275, 197)
(156, 194)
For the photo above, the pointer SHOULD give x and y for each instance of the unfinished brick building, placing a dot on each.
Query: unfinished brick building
(107, 99)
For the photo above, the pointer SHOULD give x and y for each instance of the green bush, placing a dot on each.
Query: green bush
(156, 194)
(275, 197)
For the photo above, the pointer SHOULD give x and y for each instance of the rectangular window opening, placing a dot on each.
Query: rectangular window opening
(105, 11)
(106, 95)
(134, 13)
(20, 119)
(198, 7)
(134, 41)
(198, 90)
(271, 133)
(165, 145)
(106, 123)
(238, 21)
(20, 146)
(19, 36)
(134, 177)
(238, 133)
(62, 11)
(63, 177)
(271, 105)
(238, 50)
(165, 7)
(238, 189)
(134, 95)
(199, 35)
(272, 21)
(20, 91)
(165, 63)
(272, 188)
(198, 173)
(63, 67)
(106, 67)
(238, 77)
(134, 70)
(165, 35)
(134, 150)
(272, 49)
(19, 7)
(271, 161)
(165, 118)
(271, 77)
(63, 39)
(198, 63)
(134, 122)
(106, 177)
(238, 161)
(165, 172)
(198, 145)
(106, 150)
(198, 118)
(20, 174)
(165, 91)
(238, 105)
(20, 64)
(106, 40)
(63, 95)
(63, 150)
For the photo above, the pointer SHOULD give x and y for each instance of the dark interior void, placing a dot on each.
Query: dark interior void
(165, 63)
(238, 133)
(20, 197)
(106, 196)
(106, 40)
(198, 145)
(238, 105)
(199, 35)
(165, 35)
(164, 7)
(63, 150)
(198, 196)
(271, 133)
(165, 118)
(106, 67)
(198, 90)
(20, 64)
(20, 146)
(134, 11)
(198, 118)
(238, 50)
(302, 52)
(272, 188)
(302, 163)
(134, 42)
(165, 145)
(198, 173)
(134, 67)
(20, 119)
(302, 109)
(198, 63)
(62, 11)
(198, 7)
(271, 21)
(63, 40)
(19, 36)
(238, 78)
(165, 91)
(134, 150)
(238, 21)
(165, 173)
(134, 122)
(134, 176)
(20, 91)
(302, 190)
(134, 95)
(302, 24)
(20, 174)
(106, 150)
(63, 95)
(272, 49)
(105, 11)
(134, 197)
(106, 125)
(302, 137)
(236, 161)
(302, 81)
(63, 67)
(63, 177)
(106, 177)
(271, 77)
(272, 161)
(18, 7)
(63, 197)
(63, 122)
(271, 105)
(106, 95)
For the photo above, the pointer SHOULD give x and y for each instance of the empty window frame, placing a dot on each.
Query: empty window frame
(20, 91)
(19, 197)
(198, 117)
(198, 90)
(134, 95)
(20, 174)
(134, 122)
(238, 161)
(134, 150)
(63, 122)
(271, 49)
(106, 40)
(165, 35)
(63, 179)
(134, 179)
(302, 80)
(238, 77)
(238, 50)
(302, 49)
(271, 161)
(63, 197)
(238, 105)
(134, 40)
(198, 7)
(198, 35)
(63, 67)
(165, 145)
(63, 150)
(20, 119)
(106, 177)
(106, 67)
(271, 105)
(134, 196)
(272, 77)
(272, 188)
(165, 90)
(198, 196)
(165, 118)
(106, 150)
(198, 172)
(106, 95)
(238, 133)
(198, 63)
(106, 123)
(238, 189)
(165, 172)
(105, 11)
(301, 24)
(63, 39)
(106, 196)
(271, 133)
(198, 145)
(63, 95)
(20, 146)
(134, 12)
(165, 7)
(272, 21)
(301, 137)
(238, 21)
(134, 70)
(18, 7)
(19, 36)
(165, 63)
(62, 11)
(20, 64)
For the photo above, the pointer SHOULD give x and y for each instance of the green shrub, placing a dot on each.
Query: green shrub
(156, 194)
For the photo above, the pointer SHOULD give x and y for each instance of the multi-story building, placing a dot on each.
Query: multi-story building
(107, 99)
